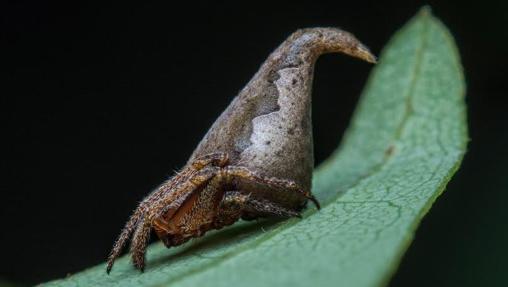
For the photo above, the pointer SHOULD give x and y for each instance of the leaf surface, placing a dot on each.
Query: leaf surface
(406, 139)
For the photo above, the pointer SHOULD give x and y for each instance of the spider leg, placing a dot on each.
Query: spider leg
(158, 208)
(139, 242)
(170, 195)
(181, 192)
(122, 239)
(263, 206)
(216, 159)
(236, 203)
(243, 176)
(133, 221)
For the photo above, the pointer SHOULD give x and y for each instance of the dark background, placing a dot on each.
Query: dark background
(103, 101)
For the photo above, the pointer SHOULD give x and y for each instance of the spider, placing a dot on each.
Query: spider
(255, 161)
(209, 193)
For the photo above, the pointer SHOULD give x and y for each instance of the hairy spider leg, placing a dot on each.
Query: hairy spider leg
(215, 159)
(211, 208)
(122, 239)
(169, 192)
(139, 240)
(192, 218)
(203, 209)
(236, 203)
(243, 176)
(219, 159)
(133, 221)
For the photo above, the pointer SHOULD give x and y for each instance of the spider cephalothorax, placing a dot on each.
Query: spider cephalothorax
(255, 161)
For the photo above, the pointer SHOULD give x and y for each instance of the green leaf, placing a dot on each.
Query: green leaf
(406, 140)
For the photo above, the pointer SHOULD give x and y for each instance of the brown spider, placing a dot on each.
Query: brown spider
(208, 194)
(255, 161)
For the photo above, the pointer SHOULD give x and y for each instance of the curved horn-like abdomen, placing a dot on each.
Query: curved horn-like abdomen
(267, 127)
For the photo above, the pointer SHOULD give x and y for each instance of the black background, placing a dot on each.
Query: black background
(103, 101)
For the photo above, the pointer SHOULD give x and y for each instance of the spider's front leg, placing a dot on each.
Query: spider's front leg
(182, 215)
(167, 199)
